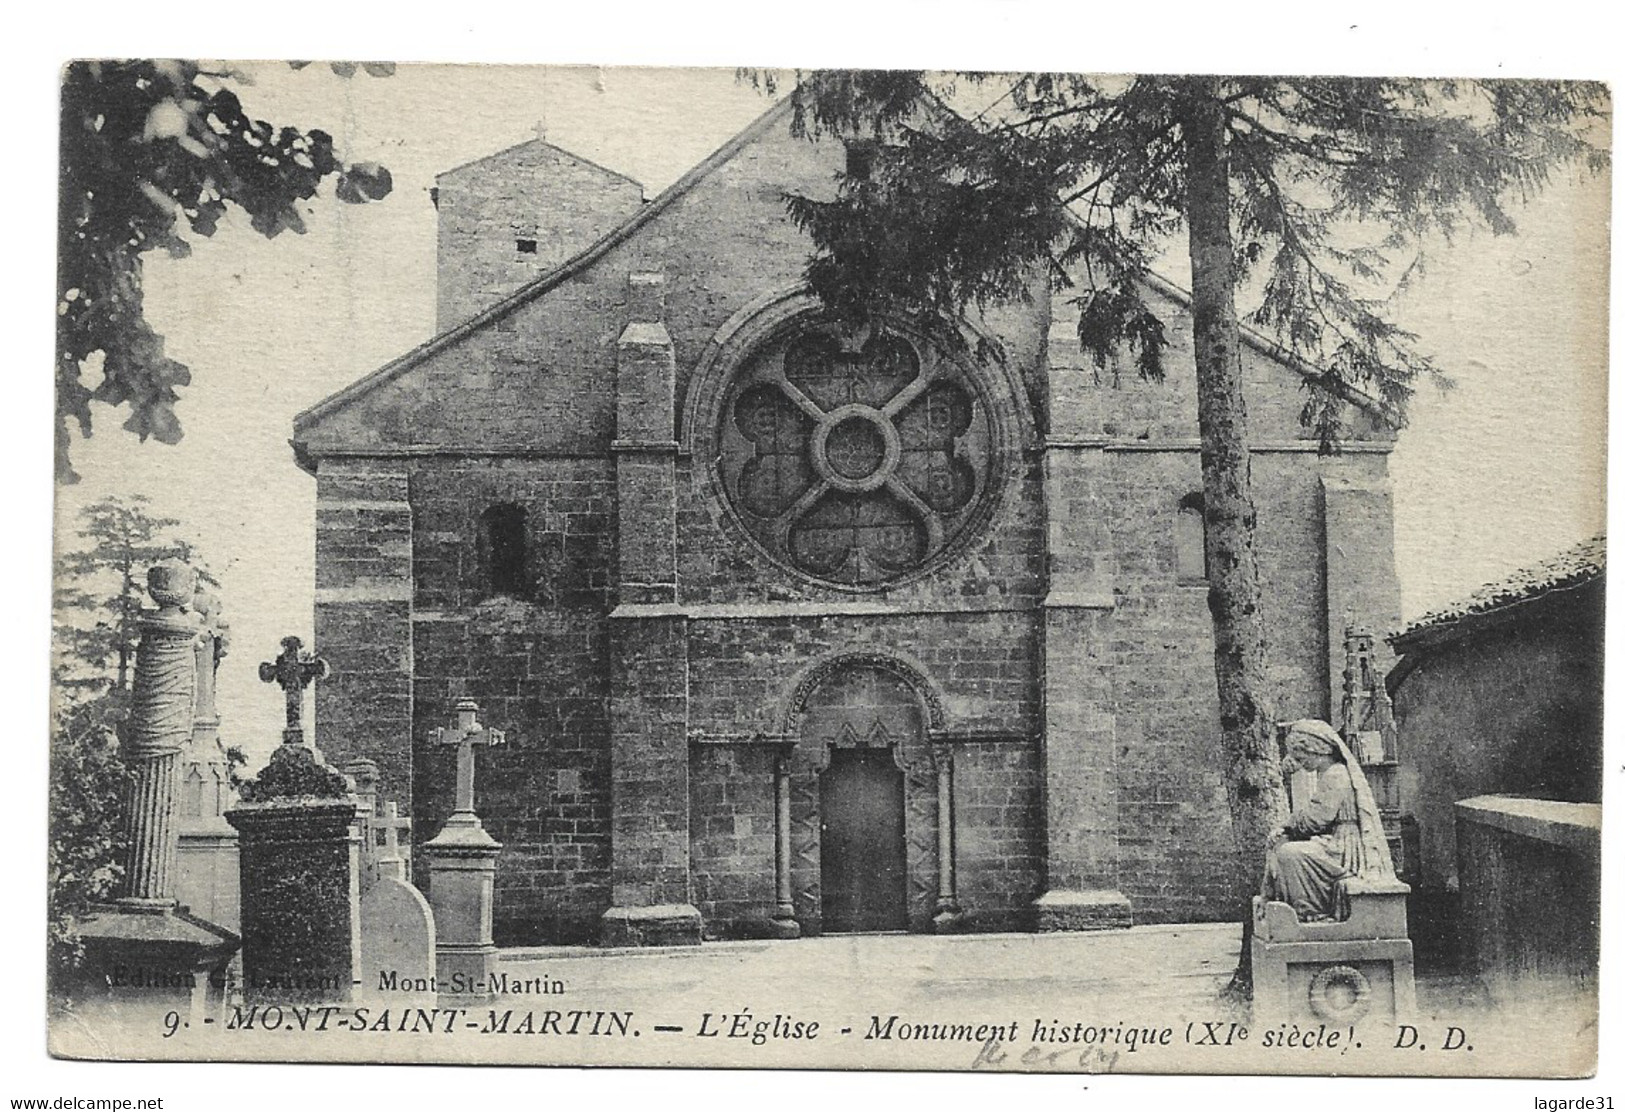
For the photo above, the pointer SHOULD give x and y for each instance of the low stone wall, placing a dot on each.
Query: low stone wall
(1530, 885)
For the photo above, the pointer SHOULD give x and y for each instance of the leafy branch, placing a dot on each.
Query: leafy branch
(151, 151)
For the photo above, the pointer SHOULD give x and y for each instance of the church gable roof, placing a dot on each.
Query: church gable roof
(309, 420)
(309, 424)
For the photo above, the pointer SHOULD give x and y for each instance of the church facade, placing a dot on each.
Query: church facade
(790, 628)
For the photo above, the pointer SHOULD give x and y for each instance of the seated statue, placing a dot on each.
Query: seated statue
(1338, 834)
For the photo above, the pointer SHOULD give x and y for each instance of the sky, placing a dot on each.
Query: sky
(1503, 470)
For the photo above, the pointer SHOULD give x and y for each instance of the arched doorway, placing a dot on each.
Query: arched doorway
(863, 803)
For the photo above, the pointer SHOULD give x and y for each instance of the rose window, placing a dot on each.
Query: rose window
(855, 459)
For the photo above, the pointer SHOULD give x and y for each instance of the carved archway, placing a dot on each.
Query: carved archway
(864, 700)
(910, 672)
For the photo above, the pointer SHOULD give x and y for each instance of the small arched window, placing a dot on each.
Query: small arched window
(502, 536)
(1190, 541)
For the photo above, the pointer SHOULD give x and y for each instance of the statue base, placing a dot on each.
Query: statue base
(462, 892)
(1359, 969)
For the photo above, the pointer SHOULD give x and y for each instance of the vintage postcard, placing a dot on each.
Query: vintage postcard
(811, 569)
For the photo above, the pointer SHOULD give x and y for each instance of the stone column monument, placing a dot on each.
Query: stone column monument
(300, 860)
(462, 870)
(145, 950)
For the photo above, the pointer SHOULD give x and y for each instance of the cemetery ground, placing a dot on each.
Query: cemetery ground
(1145, 1000)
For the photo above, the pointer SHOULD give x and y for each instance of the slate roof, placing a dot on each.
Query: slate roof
(1565, 571)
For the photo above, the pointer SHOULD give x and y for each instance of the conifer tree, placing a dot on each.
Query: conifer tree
(1314, 195)
(99, 589)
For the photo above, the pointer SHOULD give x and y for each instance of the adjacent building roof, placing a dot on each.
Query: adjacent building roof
(1566, 571)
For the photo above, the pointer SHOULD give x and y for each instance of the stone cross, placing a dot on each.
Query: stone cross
(293, 671)
(391, 861)
(465, 734)
(210, 647)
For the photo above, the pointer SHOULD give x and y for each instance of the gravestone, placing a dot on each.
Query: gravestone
(363, 776)
(462, 870)
(397, 925)
(299, 861)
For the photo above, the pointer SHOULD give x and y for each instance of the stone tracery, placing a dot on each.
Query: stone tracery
(855, 457)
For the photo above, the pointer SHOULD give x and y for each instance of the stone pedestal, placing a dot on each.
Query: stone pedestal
(1358, 970)
(207, 872)
(462, 882)
(141, 962)
(300, 881)
(206, 864)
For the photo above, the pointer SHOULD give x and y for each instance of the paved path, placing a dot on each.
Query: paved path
(1145, 1000)
(1178, 967)
(1119, 990)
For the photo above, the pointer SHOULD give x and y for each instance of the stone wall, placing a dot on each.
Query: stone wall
(1174, 849)
(1091, 474)
(998, 832)
(1531, 872)
(731, 837)
(1510, 706)
(745, 668)
(998, 824)
(364, 543)
(517, 214)
(538, 667)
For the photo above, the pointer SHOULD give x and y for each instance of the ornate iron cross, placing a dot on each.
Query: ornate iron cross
(465, 734)
(293, 671)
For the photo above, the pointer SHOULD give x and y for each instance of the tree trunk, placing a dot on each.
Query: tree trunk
(1252, 774)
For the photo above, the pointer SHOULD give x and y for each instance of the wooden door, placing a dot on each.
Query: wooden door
(864, 875)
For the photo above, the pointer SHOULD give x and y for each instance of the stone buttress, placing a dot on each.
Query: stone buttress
(649, 837)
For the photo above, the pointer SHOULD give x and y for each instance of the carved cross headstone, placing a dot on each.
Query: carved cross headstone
(293, 671)
(465, 734)
(391, 861)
